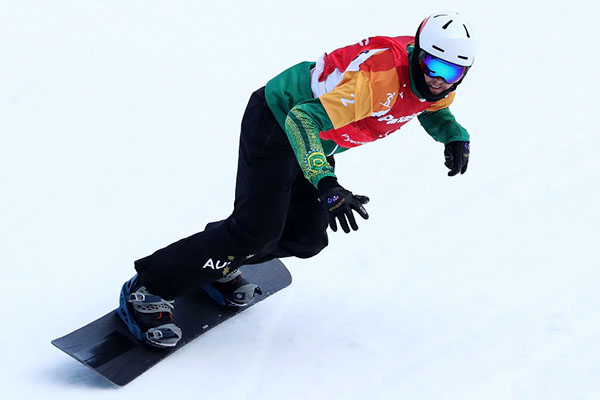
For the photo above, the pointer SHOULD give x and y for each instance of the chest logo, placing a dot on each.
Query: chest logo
(390, 98)
(390, 119)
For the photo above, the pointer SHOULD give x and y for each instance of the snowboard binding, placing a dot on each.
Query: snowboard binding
(148, 317)
(233, 290)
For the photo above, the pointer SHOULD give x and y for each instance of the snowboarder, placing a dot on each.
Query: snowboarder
(287, 192)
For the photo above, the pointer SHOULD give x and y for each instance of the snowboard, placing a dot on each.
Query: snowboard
(106, 346)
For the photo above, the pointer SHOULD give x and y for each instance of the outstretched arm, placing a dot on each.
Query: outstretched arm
(442, 126)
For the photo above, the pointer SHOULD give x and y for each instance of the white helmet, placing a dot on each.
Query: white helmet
(447, 36)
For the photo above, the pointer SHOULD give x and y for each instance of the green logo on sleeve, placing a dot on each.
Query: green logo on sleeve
(316, 161)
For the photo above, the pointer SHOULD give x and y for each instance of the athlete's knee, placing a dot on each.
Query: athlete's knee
(256, 239)
(307, 247)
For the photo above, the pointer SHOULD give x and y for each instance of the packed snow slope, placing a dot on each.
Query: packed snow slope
(119, 123)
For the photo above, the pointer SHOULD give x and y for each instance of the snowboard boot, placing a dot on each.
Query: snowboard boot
(233, 290)
(148, 317)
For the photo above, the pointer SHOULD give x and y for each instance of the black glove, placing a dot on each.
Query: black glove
(457, 157)
(340, 202)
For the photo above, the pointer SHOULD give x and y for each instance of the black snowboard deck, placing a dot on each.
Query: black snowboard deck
(106, 346)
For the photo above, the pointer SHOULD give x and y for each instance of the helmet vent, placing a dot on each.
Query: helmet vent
(447, 24)
(466, 30)
(463, 57)
(438, 48)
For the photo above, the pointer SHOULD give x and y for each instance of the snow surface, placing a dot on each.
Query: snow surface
(119, 123)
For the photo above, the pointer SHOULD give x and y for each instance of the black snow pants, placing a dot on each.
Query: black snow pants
(276, 214)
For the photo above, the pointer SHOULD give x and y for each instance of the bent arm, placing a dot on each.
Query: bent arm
(442, 126)
(302, 127)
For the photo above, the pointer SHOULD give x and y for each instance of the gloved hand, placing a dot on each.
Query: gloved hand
(339, 203)
(457, 157)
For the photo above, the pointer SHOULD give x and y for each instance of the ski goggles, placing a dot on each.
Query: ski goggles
(433, 67)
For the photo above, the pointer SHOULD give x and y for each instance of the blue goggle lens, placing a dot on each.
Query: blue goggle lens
(433, 66)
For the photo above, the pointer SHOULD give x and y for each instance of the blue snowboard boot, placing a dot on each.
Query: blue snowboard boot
(148, 317)
(233, 290)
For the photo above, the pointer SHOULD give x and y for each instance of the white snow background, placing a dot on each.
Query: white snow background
(119, 123)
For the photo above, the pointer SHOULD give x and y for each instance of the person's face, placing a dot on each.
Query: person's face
(440, 75)
(437, 85)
